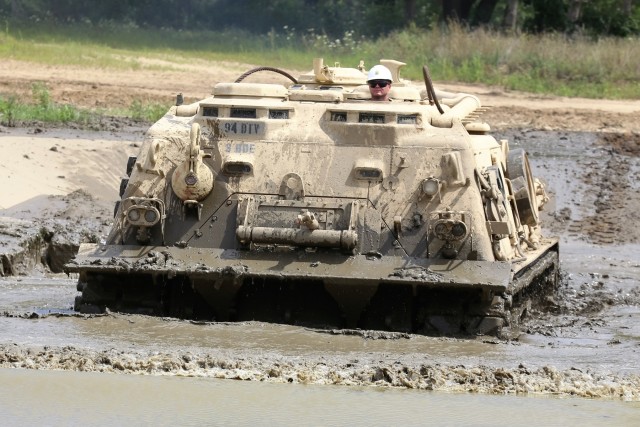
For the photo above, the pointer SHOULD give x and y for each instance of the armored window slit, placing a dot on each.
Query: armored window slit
(410, 119)
(210, 111)
(371, 118)
(338, 116)
(243, 113)
(278, 114)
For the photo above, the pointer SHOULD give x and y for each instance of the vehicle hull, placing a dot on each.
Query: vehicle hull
(396, 293)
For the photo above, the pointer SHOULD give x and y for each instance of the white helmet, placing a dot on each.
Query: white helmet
(379, 72)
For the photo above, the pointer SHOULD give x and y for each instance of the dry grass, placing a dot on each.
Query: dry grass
(550, 63)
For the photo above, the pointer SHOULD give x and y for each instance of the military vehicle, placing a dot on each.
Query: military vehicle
(310, 204)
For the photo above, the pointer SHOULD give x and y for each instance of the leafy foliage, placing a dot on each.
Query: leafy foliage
(334, 18)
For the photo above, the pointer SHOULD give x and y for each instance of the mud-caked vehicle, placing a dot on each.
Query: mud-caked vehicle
(312, 204)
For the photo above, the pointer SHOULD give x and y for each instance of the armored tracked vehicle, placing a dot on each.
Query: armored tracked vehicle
(311, 204)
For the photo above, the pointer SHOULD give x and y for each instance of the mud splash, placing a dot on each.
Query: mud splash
(458, 378)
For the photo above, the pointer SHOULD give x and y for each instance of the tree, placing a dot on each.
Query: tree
(483, 12)
(17, 11)
(334, 18)
(409, 11)
(456, 10)
(510, 19)
(614, 17)
(472, 12)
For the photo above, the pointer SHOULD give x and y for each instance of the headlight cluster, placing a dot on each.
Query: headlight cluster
(143, 211)
(450, 229)
(143, 215)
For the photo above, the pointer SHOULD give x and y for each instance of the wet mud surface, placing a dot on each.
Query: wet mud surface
(585, 341)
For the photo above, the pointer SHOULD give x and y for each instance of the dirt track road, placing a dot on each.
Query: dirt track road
(99, 88)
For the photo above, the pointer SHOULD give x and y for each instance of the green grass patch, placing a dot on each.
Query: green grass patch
(42, 109)
(140, 111)
(13, 111)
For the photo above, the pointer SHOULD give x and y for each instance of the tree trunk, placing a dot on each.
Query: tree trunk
(409, 11)
(456, 10)
(17, 11)
(484, 12)
(510, 20)
(575, 11)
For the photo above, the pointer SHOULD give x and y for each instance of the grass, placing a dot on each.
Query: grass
(544, 64)
(43, 109)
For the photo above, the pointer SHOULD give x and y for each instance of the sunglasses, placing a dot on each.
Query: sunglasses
(381, 83)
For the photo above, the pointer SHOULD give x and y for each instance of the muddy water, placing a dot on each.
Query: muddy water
(585, 343)
(71, 398)
(609, 341)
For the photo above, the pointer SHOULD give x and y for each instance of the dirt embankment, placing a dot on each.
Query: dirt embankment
(59, 187)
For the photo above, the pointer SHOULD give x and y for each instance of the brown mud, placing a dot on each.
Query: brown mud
(584, 342)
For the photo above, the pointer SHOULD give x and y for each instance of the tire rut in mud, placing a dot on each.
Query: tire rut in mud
(615, 202)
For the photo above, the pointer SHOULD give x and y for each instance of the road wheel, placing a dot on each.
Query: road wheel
(519, 172)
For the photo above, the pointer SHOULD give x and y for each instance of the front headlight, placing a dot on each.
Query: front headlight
(151, 216)
(133, 215)
(458, 230)
(431, 186)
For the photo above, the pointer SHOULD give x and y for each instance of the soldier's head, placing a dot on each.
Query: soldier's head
(379, 80)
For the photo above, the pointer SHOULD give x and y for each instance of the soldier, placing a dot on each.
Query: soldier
(379, 80)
